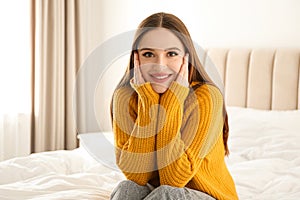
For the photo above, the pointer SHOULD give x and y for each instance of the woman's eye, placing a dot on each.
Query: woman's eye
(172, 54)
(148, 54)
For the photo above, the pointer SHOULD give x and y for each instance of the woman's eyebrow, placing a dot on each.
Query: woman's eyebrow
(146, 49)
(173, 48)
(167, 49)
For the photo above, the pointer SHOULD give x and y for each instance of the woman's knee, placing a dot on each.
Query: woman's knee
(121, 189)
(165, 192)
(129, 190)
(126, 183)
(167, 188)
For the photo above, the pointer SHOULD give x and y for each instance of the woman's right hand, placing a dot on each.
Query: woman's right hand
(137, 77)
(183, 75)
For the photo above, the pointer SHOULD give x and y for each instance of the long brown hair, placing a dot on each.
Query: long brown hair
(196, 70)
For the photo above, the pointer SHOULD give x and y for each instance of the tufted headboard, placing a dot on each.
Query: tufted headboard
(266, 79)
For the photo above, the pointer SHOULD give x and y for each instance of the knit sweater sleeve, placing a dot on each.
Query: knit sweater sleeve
(184, 141)
(134, 125)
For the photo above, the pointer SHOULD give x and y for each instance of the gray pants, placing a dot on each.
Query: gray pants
(129, 190)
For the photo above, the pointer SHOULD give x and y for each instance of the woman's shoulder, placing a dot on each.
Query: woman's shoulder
(125, 88)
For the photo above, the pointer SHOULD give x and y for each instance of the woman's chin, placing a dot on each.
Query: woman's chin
(159, 88)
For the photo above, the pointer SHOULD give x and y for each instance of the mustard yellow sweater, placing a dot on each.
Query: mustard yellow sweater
(172, 139)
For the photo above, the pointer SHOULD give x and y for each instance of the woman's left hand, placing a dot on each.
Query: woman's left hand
(183, 74)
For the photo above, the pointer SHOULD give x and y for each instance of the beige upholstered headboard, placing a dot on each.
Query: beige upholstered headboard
(266, 79)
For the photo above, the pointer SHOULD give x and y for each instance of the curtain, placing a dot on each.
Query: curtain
(56, 60)
(59, 41)
(14, 135)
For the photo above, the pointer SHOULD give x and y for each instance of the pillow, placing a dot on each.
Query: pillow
(263, 134)
(100, 145)
(250, 118)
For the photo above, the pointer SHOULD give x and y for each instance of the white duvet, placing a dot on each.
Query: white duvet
(265, 153)
(56, 175)
(264, 162)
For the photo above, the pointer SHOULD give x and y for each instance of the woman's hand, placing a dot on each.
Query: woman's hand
(137, 77)
(183, 74)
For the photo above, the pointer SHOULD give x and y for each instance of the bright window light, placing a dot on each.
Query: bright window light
(15, 69)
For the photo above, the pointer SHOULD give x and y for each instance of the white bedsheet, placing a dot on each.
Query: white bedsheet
(265, 153)
(56, 175)
(264, 162)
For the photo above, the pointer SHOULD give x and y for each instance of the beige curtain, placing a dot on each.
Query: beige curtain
(56, 59)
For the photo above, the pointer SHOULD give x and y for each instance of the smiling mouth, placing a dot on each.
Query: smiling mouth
(160, 78)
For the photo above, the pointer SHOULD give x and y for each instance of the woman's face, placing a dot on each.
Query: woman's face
(160, 55)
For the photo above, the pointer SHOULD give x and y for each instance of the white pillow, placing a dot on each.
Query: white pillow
(248, 117)
(100, 145)
(260, 134)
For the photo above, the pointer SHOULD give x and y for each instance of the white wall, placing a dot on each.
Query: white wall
(212, 23)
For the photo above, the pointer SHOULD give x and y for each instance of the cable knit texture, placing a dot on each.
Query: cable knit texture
(172, 139)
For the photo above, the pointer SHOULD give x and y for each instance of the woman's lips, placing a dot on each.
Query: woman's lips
(160, 78)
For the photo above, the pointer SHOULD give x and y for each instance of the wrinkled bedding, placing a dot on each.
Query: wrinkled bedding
(56, 175)
(265, 153)
(264, 162)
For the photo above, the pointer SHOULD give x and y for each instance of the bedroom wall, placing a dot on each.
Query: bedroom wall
(212, 23)
(231, 23)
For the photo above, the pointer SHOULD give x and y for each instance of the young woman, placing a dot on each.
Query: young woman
(169, 120)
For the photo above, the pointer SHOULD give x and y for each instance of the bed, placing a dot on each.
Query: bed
(262, 92)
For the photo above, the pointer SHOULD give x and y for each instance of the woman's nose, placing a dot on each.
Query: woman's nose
(160, 63)
(161, 60)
